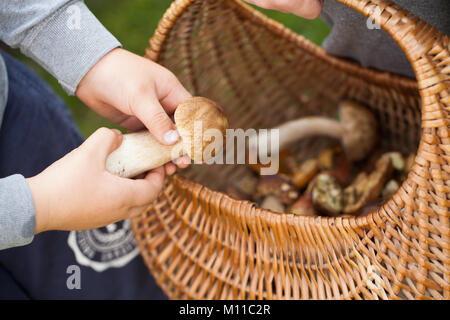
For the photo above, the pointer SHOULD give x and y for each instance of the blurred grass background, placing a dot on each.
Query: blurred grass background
(133, 23)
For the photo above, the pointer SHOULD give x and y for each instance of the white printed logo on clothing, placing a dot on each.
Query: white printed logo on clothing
(103, 248)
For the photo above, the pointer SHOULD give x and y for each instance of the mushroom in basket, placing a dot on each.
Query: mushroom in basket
(275, 192)
(356, 129)
(333, 200)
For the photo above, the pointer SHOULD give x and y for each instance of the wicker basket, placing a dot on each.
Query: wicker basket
(201, 244)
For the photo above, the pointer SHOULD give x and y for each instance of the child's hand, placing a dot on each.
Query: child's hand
(77, 193)
(135, 93)
(309, 9)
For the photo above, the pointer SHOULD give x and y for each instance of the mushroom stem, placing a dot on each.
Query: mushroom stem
(140, 152)
(294, 130)
(307, 127)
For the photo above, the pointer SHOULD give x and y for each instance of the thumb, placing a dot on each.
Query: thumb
(152, 114)
(102, 142)
(309, 9)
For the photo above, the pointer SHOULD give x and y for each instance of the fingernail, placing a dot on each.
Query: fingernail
(171, 136)
(182, 160)
(117, 131)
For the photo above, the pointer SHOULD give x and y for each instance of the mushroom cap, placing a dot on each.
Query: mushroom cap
(272, 203)
(359, 130)
(366, 188)
(279, 186)
(193, 118)
(327, 195)
(304, 206)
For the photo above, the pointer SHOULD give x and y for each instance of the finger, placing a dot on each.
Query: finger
(132, 124)
(309, 9)
(151, 113)
(144, 191)
(171, 93)
(183, 162)
(269, 4)
(136, 211)
(170, 168)
(260, 3)
(102, 142)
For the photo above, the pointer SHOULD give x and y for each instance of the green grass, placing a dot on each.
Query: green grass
(133, 22)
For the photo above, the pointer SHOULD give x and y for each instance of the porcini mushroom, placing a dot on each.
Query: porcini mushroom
(356, 128)
(305, 173)
(286, 163)
(246, 184)
(277, 185)
(236, 194)
(327, 195)
(389, 189)
(326, 158)
(368, 208)
(140, 152)
(304, 206)
(243, 188)
(367, 187)
(398, 161)
(272, 203)
(335, 163)
(331, 199)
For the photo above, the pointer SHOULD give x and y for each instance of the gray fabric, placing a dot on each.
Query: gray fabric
(351, 38)
(17, 214)
(46, 31)
(3, 88)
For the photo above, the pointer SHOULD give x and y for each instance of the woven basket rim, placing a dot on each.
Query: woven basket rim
(204, 193)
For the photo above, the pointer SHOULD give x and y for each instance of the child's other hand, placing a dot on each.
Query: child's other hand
(77, 193)
(135, 93)
(309, 9)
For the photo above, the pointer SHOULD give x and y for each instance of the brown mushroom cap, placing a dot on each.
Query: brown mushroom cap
(304, 206)
(272, 203)
(367, 187)
(359, 130)
(211, 116)
(277, 185)
(305, 173)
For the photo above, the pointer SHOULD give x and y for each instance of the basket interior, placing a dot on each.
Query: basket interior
(263, 77)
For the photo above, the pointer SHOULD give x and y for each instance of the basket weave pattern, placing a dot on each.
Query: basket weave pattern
(201, 244)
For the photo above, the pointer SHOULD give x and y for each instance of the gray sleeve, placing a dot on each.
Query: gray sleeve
(63, 36)
(17, 213)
